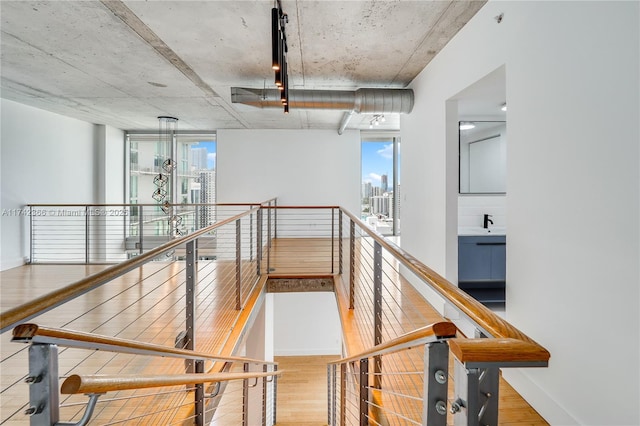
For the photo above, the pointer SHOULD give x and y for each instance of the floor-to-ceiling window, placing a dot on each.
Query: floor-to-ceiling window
(380, 195)
(192, 182)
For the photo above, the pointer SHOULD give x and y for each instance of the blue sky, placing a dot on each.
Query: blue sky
(377, 160)
(211, 149)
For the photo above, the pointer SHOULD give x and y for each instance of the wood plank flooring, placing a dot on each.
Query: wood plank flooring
(137, 308)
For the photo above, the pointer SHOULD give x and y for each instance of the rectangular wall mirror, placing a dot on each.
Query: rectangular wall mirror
(483, 157)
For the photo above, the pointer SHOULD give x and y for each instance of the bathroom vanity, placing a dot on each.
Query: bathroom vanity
(482, 266)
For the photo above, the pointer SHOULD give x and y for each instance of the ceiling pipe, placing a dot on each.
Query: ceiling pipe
(345, 121)
(361, 101)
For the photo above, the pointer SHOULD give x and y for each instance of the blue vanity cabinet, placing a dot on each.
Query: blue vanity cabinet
(482, 266)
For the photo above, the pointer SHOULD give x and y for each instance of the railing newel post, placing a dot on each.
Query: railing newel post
(44, 400)
(476, 395)
(436, 367)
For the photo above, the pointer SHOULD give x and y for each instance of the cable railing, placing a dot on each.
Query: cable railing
(171, 296)
(385, 296)
(379, 305)
(111, 233)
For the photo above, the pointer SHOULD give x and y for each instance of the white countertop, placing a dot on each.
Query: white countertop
(477, 230)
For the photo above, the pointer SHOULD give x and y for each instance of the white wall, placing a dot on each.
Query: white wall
(573, 191)
(300, 167)
(306, 324)
(50, 158)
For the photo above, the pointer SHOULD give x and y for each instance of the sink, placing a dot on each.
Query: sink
(478, 230)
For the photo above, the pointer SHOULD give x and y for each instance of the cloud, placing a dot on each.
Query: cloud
(386, 152)
(375, 177)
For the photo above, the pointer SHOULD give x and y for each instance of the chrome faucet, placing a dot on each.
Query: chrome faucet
(487, 221)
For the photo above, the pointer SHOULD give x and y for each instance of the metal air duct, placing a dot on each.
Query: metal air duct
(361, 101)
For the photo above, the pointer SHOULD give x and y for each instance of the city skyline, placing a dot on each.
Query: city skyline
(377, 160)
(211, 152)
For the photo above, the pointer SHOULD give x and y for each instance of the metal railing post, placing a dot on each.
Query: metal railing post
(238, 265)
(199, 397)
(251, 237)
(377, 312)
(264, 396)
(31, 247)
(436, 362)
(245, 397)
(190, 310)
(275, 396)
(331, 394)
(476, 400)
(275, 219)
(352, 263)
(364, 392)
(269, 240)
(43, 385)
(259, 241)
(340, 257)
(190, 299)
(86, 235)
(333, 238)
(343, 394)
(140, 228)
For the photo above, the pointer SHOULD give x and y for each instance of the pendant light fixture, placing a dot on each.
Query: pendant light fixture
(279, 52)
(165, 181)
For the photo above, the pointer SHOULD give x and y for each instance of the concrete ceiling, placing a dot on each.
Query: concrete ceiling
(123, 63)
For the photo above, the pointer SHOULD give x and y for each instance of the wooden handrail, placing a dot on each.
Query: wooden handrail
(42, 304)
(300, 207)
(148, 204)
(33, 333)
(109, 383)
(426, 334)
(488, 321)
(506, 352)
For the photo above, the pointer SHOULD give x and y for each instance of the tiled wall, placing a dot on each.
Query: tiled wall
(472, 208)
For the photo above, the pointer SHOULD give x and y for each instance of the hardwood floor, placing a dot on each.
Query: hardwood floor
(302, 390)
(148, 305)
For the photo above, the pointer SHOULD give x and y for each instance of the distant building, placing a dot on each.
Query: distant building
(384, 183)
(381, 205)
(199, 158)
(366, 189)
(207, 180)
